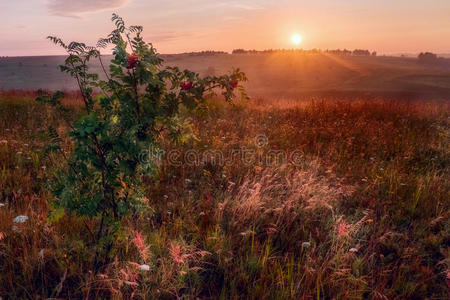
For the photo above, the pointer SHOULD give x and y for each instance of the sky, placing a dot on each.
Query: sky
(173, 26)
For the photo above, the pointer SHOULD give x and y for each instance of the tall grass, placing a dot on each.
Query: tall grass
(364, 215)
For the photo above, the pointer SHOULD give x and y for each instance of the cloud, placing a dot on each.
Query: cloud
(169, 36)
(248, 7)
(233, 18)
(73, 8)
(241, 5)
(164, 37)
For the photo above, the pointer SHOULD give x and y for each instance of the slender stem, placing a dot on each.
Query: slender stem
(89, 229)
(103, 67)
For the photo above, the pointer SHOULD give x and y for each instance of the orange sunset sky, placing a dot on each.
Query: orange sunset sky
(395, 26)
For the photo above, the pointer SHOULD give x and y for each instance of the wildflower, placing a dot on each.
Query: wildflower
(138, 240)
(234, 84)
(144, 267)
(133, 59)
(20, 219)
(3, 142)
(447, 278)
(2, 204)
(177, 253)
(342, 229)
(186, 85)
(271, 230)
(353, 250)
(247, 232)
(306, 244)
(41, 255)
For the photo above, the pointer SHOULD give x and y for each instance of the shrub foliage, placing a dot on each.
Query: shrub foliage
(130, 110)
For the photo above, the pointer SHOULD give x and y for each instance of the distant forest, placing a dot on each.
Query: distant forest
(423, 57)
(345, 52)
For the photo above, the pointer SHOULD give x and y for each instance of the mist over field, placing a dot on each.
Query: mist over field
(290, 75)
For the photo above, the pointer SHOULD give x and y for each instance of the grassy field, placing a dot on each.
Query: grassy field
(361, 212)
(271, 75)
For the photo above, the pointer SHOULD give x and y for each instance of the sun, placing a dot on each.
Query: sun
(296, 39)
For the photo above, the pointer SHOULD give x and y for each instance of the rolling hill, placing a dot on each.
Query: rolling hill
(270, 75)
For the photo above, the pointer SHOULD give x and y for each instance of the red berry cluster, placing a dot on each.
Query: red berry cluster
(186, 85)
(133, 59)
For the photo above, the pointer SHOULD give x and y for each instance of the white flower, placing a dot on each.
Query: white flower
(247, 232)
(144, 267)
(3, 142)
(20, 219)
(2, 204)
(306, 244)
(41, 254)
(353, 250)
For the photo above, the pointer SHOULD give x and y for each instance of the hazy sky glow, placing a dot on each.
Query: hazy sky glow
(389, 26)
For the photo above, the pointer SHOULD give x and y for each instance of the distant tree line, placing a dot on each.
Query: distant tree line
(344, 52)
(428, 58)
(205, 53)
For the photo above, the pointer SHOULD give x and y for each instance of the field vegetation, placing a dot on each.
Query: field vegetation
(362, 213)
